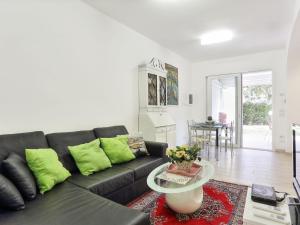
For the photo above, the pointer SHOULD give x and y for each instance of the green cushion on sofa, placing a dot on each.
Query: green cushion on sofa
(46, 168)
(89, 157)
(123, 138)
(117, 150)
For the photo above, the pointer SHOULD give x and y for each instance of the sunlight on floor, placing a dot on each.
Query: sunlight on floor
(248, 166)
(257, 136)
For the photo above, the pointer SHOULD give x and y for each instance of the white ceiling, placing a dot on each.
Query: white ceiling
(259, 25)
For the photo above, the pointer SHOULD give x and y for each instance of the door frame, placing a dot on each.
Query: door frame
(239, 141)
(272, 136)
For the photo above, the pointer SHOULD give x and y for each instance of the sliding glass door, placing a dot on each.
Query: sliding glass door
(224, 102)
(246, 100)
(257, 110)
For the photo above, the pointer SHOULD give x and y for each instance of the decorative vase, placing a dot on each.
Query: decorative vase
(185, 165)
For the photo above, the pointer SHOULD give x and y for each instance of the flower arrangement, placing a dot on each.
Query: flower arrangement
(183, 156)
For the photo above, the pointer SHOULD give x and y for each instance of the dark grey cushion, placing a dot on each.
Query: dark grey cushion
(68, 204)
(10, 197)
(143, 166)
(106, 181)
(16, 169)
(107, 132)
(157, 149)
(60, 142)
(18, 142)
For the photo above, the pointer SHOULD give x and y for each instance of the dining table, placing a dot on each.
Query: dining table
(212, 126)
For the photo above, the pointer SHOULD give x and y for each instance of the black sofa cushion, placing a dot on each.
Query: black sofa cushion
(143, 166)
(10, 197)
(16, 169)
(157, 149)
(106, 181)
(69, 204)
(60, 142)
(107, 132)
(18, 142)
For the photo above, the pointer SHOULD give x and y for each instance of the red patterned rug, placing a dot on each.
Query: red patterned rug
(223, 203)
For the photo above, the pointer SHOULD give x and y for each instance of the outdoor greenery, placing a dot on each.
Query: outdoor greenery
(256, 113)
(257, 104)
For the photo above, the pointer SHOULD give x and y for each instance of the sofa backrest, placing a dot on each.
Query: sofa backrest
(107, 132)
(60, 142)
(17, 143)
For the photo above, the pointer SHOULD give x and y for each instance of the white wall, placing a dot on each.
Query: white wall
(293, 74)
(65, 66)
(273, 60)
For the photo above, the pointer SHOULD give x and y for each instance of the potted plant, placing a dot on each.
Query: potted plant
(183, 156)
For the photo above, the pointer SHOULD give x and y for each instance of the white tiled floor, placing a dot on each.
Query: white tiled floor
(248, 166)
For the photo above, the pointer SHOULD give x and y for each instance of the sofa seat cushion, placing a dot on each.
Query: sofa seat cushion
(68, 204)
(106, 181)
(143, 166)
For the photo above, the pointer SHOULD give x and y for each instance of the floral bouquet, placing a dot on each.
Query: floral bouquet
(183, 156)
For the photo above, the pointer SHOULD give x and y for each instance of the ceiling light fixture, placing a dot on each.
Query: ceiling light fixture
(216, 36)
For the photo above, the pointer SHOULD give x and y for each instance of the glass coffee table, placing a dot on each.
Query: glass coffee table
(182, 198)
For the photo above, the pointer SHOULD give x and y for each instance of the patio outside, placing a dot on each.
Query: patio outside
(257, 136)
(257, 110)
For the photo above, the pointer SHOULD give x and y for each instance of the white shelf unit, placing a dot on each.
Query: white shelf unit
(158, 126)
(155, 122)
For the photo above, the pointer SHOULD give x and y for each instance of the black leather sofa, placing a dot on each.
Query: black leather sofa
(83, 200)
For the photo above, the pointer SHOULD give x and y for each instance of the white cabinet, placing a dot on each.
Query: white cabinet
(155, 122)
(171, 135)
(166, 134)
(161, 134)
(249, 217)
(152, 85)
(158, 126)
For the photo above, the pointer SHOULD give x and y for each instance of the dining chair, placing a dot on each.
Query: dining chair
(208, 139)
(195, 137)
(228, 137)
(192, 132)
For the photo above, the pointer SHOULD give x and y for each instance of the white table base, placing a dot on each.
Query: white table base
(185, 202)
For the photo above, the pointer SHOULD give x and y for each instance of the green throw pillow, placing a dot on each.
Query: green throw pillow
(123, 138)
(46, 168)
(117, 149)
(89, 157)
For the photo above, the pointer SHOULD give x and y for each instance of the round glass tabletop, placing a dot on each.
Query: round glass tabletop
(157, 182)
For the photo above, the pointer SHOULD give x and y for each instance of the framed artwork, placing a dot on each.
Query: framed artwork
(172, 84)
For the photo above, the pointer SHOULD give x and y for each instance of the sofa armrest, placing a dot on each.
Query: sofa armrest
(157, 149)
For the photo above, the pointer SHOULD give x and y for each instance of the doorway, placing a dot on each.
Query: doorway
(257, 110)
(224, 98)
(246, 101)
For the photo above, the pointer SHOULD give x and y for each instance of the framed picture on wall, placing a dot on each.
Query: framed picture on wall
(172, 84)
